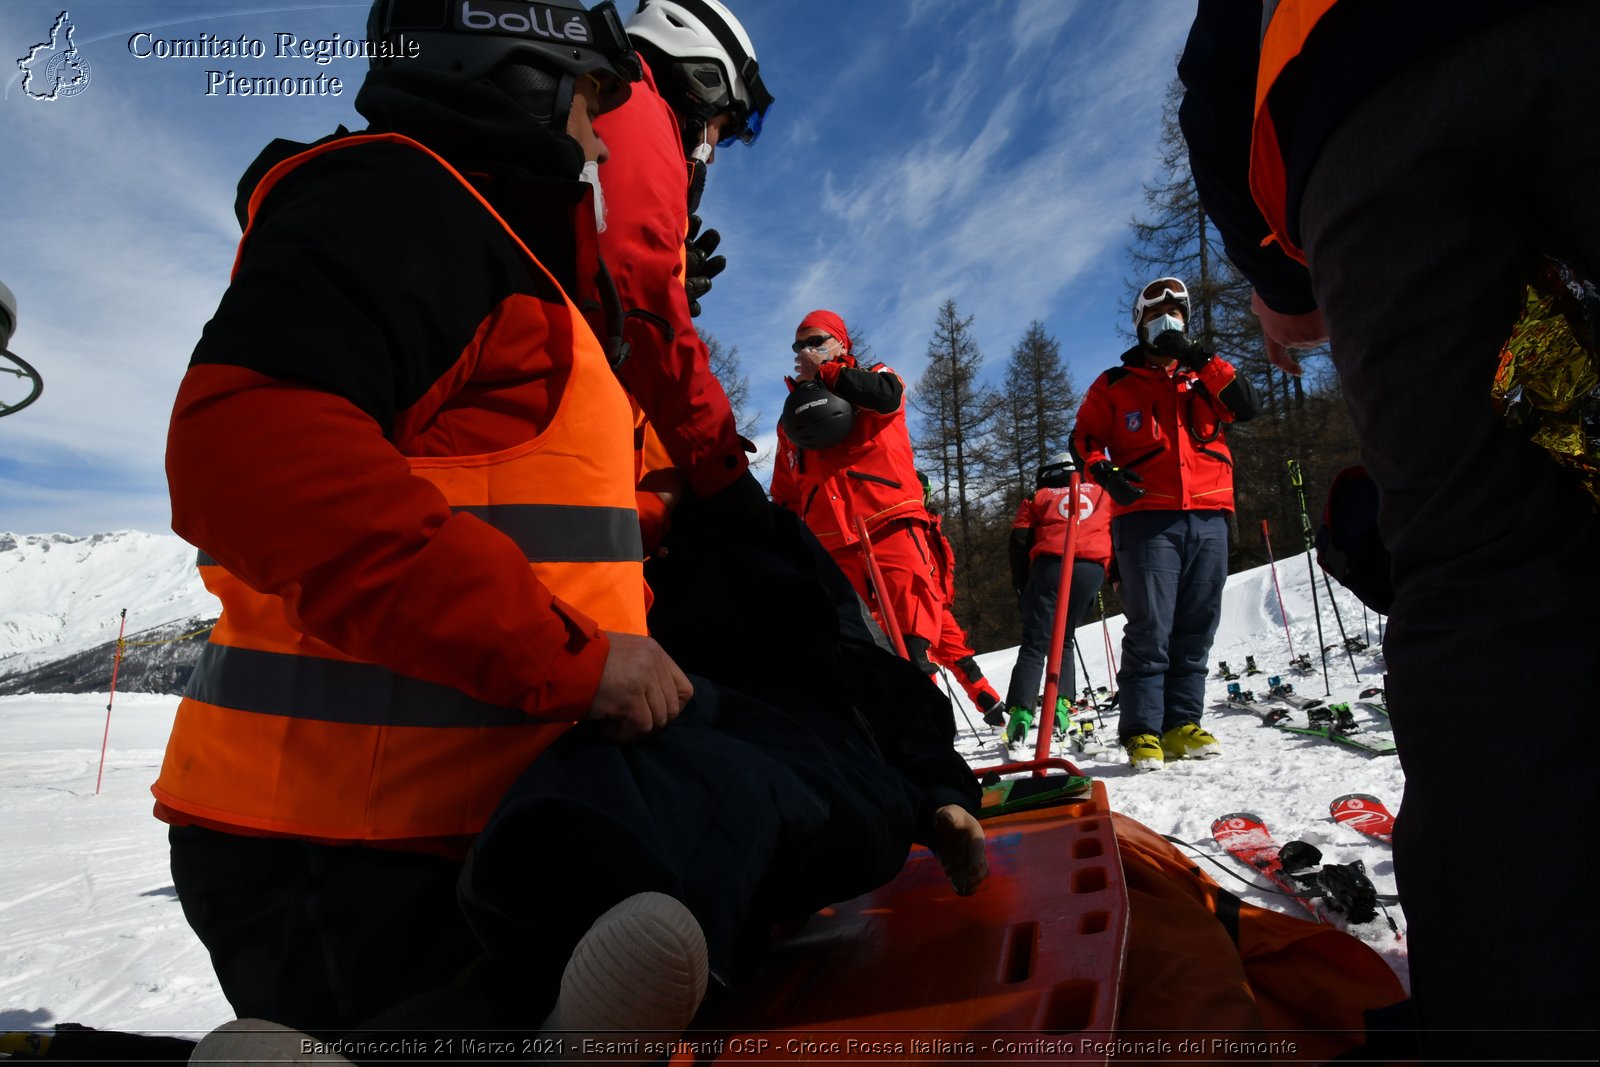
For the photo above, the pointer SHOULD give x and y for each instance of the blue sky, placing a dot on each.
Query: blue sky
(988, 151)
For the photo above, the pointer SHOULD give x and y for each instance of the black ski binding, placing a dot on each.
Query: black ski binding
(1225, 671)
(1250, 666)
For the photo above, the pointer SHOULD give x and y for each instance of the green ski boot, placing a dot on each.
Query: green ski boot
(1017, 728)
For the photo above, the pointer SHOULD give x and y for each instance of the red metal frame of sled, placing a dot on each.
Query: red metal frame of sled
(1029, 968)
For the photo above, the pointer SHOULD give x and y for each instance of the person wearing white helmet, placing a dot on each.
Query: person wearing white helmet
(702, 88)
(1153, 432)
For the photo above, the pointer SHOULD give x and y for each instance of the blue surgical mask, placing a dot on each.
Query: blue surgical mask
(1156, 327)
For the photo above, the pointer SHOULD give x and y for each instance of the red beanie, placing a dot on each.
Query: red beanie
(828, 323)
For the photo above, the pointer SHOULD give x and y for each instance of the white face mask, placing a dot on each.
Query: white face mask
(591, 176)
(1156, 327)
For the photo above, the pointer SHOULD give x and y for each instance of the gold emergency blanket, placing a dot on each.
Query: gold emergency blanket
(1548, 381)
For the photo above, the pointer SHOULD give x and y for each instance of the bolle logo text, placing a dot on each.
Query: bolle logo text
(523, 20)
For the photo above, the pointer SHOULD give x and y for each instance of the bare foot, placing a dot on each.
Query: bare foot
(958, 842)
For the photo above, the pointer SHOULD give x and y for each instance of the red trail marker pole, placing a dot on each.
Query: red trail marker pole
(116, 662)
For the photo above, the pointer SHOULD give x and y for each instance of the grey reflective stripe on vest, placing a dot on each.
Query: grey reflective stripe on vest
(555, 533)
(359, 694)
(566, 533)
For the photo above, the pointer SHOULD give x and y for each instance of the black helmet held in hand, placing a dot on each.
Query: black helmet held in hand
(815, 418)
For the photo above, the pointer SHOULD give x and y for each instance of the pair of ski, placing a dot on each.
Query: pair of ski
(1293, 868)
(1330, 722)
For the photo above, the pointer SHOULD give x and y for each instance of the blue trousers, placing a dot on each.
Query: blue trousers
(1038, 617)
(1173, 566)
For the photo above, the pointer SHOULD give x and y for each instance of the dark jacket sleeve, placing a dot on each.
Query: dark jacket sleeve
(875, 390)
(1017, 549)
(1218, 70)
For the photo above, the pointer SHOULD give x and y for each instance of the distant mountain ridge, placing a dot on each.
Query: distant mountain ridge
(60, 603)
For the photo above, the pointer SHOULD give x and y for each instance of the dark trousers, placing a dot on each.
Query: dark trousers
(1038, 619)
(1422, 220)
(320, 937)
(1173, 566)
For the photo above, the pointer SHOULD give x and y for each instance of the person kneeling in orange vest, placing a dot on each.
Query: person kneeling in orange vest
(431, 770)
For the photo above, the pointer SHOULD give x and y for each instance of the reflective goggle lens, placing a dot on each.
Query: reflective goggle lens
(1163, 289)
(816, 340)
(745, 128)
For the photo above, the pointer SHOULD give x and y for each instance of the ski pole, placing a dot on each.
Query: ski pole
(1111, 660)
(116, 661)
(1327, 584)
(1266, 537)
(951, 695)
(1058, 631)
(875, 576)
(1087, 688)
(1311, 567)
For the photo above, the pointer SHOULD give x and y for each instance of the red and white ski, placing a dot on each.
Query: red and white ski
(1365, 814)
(1248, 840)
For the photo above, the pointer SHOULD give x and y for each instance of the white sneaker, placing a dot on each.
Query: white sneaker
(634, 981)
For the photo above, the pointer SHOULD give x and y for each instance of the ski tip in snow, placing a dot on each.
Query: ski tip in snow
(1365, 814)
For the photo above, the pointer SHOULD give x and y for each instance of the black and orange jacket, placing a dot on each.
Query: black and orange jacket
(408, 469)
(1267, 83)
(1168, 429)
(871, 474)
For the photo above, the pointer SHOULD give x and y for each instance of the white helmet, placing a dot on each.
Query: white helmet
(715, 68)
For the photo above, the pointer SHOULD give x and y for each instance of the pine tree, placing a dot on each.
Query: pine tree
(1036, 410)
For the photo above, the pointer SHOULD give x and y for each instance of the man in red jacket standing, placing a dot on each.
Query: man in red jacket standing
(1151, 433)
(701, 89)
(846, 455)
(1038, 543)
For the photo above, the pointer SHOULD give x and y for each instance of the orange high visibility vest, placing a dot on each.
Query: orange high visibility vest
(1287, 25)
(282, 733)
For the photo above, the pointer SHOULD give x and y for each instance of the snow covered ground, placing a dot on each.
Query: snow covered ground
(91, 931)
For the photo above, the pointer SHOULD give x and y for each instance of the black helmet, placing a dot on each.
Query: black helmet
(815, 418)
(535, 51)
(1056, 472)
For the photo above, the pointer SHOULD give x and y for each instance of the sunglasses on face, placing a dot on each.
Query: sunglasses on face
(816, 340)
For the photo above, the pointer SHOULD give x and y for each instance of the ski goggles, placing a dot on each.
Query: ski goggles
(1161, 291)
(745, 127)
(819, 341)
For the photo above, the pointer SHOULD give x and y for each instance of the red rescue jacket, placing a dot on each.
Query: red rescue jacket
(871, 474)
(1045, 514)
(1165, 427)
(646, 185)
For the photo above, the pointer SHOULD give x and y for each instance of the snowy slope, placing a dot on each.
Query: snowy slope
(61, 594)
(90, 931)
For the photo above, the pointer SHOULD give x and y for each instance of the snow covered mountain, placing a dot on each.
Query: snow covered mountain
(61, 598)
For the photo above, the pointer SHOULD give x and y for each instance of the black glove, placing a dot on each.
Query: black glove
(1117, 482)
(700, 266)
(1171, 344)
